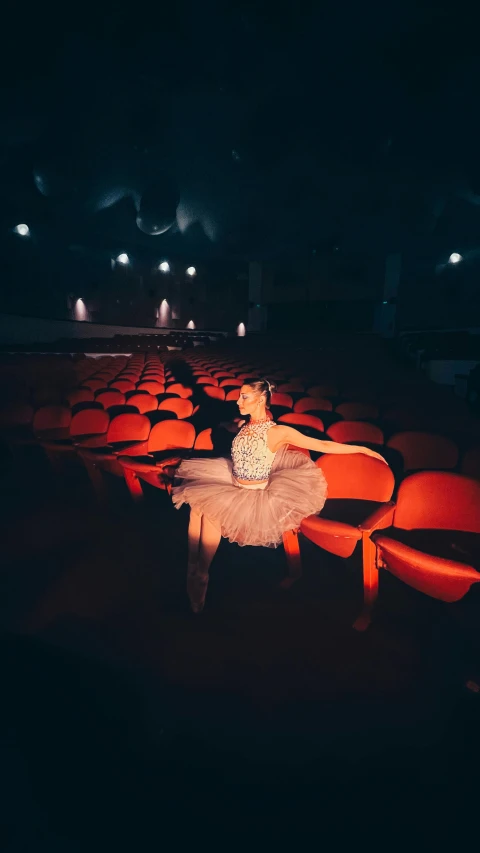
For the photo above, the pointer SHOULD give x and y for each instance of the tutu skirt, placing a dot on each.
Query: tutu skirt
(252, 516)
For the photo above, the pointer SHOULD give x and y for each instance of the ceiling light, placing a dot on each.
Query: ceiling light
(22, 229)
(191, 271)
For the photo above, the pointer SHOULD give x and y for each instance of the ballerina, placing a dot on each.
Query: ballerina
(265, 490)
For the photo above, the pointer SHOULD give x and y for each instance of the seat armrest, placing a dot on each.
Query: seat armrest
(380, 518)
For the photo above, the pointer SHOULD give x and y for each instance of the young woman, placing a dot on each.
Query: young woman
(254, 498)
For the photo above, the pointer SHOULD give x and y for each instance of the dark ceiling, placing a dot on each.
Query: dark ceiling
(206, 129)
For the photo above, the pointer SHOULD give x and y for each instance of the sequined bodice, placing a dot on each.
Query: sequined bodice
(252, 460)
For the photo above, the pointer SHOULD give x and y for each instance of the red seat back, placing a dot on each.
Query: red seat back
(171, 435)
(312, 404)
(151, 386)
(281, 400)
(128, 427)
(51, 417)
(294, 419)
(203, 440)
(438, 500)
(182, 408)
(110, 398)
(357, 476)
(179, 389)
(357, 411)
(424, 450)
(143, 402)
(89, 422)
(347, 431)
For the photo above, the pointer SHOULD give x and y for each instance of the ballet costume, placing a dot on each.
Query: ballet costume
(278, 490)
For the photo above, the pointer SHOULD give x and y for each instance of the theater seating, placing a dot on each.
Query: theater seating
(433, 544)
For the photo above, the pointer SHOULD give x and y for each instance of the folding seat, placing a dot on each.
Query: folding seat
(326, 390)
(151, 386)
(286, 387)
(346, 432)
(359, 493)
(283, 400)
(167, 445)
(357, 411)
(143, 401)
(79, 395)
(183, 408)
(229, 383)
(294, 419)
(51, 423)
(206, 380)
(433, 543)
(122, 385)
(214, 392)
(424, 450)
(107, 399)
(312, 404)
(471, 463)
(95, 384)
(179, 389)
(232, 395)
(126, 433)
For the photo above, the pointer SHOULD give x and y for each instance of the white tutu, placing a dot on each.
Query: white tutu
(296, 489)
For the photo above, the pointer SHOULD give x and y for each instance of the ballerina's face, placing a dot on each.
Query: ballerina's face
(251, 402)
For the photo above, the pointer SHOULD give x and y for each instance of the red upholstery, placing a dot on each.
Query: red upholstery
(230, 382)
(110, 398)
(52, 421)
(128, 427)
(79, 395)
(359, 491)
(433, 501)
(203, 440)
(122, 385)
(286, 387)
(182, 408)
(357, 411)
(143, 402)
(214, 392)
(282, 400)
(233, 395)
(323, 391)
(89, 422)
(345, 432)
(164, 436)
(312, 404)
(206, 380)
(151, 386)
(293, 419)
(179, 389)
(424, 450)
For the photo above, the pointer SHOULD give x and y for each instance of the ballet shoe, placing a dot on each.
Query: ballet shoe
(197, 590)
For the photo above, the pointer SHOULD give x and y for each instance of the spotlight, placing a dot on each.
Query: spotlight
(123, 259)
(191, 325)
(455, 258)
(22, 229)
(164, 266)
(241, 330)
(191, 271)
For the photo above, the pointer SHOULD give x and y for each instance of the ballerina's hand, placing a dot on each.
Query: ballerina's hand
(374, 454)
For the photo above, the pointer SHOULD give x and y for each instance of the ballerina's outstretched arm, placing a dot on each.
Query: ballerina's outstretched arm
(280, 436)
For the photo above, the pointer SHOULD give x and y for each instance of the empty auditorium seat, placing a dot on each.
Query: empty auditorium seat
(166, 447)
(144, 402)
(182, 407)
(424, 450)
(355, 431)
(312, 404)
(359, 493)
(294, 419)
(433, 544)
(357, 411)
(151, 386)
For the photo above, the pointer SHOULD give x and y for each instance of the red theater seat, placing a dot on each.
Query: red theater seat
(167, 443)
(312, 404)
(345, 432)
(144, 402)
(424, 450)
(359, 492)
(183, 408)
(294, 419)
(357, 411)
(434, 543)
